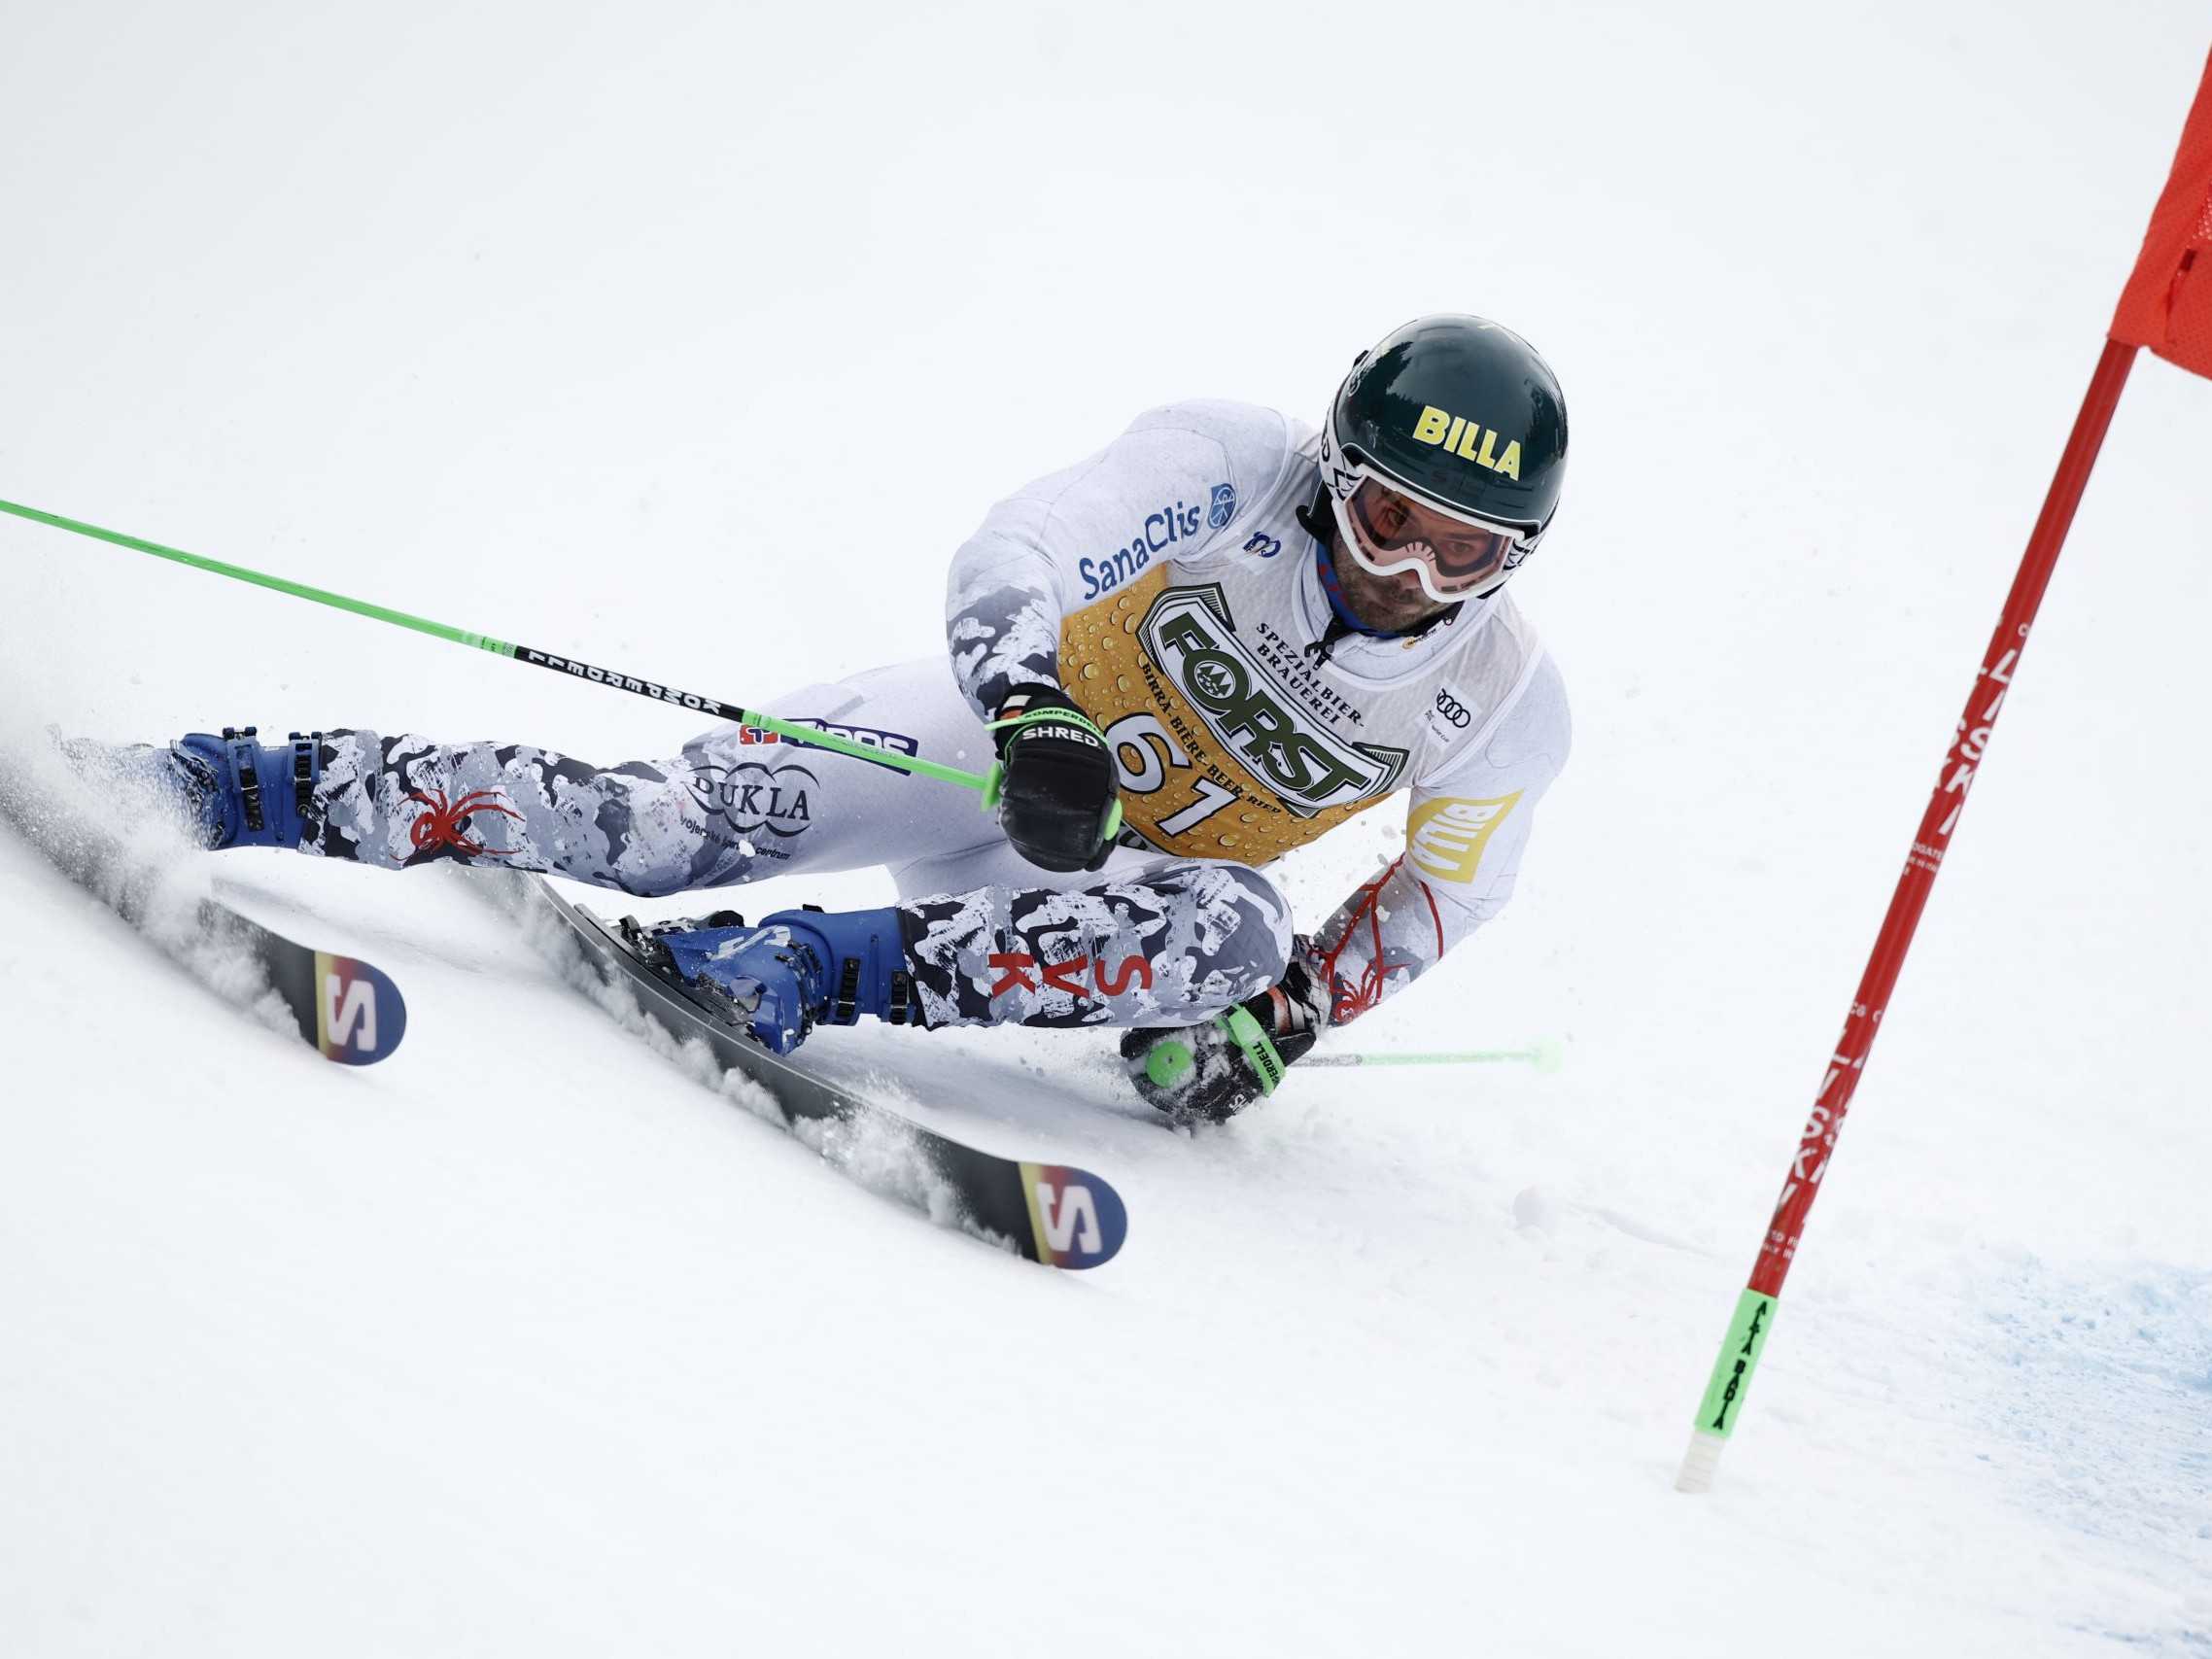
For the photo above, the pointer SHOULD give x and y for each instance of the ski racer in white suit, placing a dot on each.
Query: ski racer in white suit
(1184, 676)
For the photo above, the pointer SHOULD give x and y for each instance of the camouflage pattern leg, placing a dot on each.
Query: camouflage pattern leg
(1165, 946)
(403, 801)
(737, 804)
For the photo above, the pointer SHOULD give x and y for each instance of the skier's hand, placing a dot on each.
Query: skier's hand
(1211, 1071)
(1056, 792)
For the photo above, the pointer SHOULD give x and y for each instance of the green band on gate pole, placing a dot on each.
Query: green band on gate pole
(1739, 1359)
(660, 692)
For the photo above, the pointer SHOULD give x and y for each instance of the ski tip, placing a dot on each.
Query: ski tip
(1076, 1220)
(360, 1015)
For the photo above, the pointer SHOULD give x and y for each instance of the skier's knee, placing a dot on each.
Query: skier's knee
(1176, 942)
(644, 837)
(1221, 934)
(1243, 935)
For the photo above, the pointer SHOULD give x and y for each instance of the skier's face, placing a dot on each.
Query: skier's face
(1393, 603)
(1393, 531)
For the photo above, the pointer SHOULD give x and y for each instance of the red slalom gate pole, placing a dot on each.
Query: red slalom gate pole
(1747, 1332)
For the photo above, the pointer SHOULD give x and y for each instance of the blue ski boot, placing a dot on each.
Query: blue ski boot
(792, 971)
(234, 790)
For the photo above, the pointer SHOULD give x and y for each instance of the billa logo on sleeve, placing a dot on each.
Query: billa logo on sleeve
(1468, 439)
(1445, 838)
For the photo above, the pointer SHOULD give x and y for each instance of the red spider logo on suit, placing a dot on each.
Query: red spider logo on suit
(443, 824)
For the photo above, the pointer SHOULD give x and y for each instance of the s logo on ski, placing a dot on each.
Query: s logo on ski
(1075, 1219)
(359, 1014)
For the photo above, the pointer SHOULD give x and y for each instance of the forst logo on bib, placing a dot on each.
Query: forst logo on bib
(1215, 680)
(1192, 638)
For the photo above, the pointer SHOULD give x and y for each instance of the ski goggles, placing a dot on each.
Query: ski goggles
(1454, 554)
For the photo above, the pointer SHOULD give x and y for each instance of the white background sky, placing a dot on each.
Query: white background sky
(693, 340)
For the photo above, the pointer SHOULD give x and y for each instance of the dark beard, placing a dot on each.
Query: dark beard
(1395, 604)
(1380, 604)
(1389, 604)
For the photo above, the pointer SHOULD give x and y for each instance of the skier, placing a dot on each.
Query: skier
(1209, 643)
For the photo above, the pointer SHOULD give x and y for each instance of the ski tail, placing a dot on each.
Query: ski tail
(346, 1010)
(343, 1007)
(1076, 1220)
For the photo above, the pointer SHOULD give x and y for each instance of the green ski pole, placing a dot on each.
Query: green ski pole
(558, 662)
(1546, 1056)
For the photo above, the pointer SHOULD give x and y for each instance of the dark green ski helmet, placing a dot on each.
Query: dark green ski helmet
(1461, 414)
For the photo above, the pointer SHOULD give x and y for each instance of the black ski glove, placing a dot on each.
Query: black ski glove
(1053, 785)
(1212, 1071)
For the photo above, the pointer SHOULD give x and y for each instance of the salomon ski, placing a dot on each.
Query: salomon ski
(343, 1007)
(1049, 1213)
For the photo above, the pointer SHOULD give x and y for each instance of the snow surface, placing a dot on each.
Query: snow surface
(693, 340)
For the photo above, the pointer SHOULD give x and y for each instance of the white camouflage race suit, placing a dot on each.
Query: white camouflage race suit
(1168, 586)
